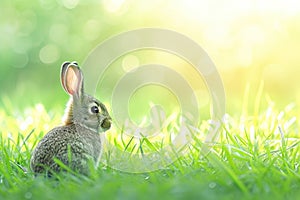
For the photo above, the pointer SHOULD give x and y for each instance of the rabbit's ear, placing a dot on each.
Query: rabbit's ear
(64, 67)
(72, 80)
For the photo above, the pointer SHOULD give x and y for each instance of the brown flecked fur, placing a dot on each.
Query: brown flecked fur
(84, 146)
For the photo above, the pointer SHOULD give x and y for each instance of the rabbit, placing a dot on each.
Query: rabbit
(77, 141)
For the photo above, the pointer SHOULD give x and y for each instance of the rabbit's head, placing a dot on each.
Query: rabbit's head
(82, 108)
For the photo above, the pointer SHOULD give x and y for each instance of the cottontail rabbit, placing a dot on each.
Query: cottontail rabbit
(77, 142)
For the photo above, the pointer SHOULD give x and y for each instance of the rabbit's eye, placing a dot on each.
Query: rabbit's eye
(95, 109)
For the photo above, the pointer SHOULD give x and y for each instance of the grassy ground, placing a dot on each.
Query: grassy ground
(256, 157)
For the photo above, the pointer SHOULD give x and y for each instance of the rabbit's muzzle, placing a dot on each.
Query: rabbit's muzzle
(106, 123)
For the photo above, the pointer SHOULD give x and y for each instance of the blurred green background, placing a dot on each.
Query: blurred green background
(253, 43)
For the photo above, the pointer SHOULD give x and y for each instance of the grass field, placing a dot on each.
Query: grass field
(256, 157)
(254, 46)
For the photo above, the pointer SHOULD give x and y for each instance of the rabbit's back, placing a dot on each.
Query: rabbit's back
(73, 145)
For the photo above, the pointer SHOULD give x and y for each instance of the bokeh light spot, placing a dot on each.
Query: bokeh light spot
(92, 29)
(113, 5)
(49, 54)
(70, 4)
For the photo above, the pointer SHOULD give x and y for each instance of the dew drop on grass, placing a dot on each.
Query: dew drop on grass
(28, 195)
(212, 185)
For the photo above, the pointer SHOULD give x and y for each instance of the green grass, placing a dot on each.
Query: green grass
(256, 157)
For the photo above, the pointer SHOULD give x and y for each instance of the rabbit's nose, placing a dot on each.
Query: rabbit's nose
(106, 123)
